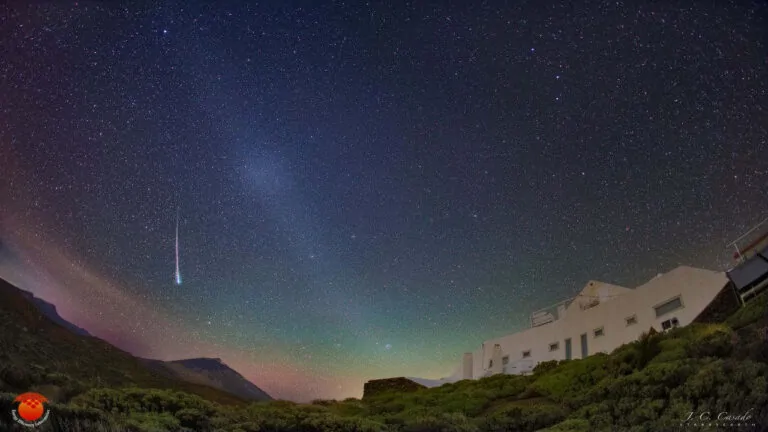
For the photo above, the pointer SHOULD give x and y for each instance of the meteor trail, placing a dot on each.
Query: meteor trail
(178, 273)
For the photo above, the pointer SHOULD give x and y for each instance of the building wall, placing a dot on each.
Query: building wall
(467, 366)
(696, 288)
(479, 363)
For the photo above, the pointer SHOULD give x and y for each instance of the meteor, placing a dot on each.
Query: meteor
(178, 273)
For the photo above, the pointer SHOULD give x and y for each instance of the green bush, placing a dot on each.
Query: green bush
(754, 311)
(570, 381)
(192, 418)
(524, 417)
(570, 425)
(446, 422)
(708, 340)
(672, 349)
(152, 422)
(18, 378)
(544, 367)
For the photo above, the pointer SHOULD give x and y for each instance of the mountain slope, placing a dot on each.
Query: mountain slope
(210, 372)
(35, 351)
(50, 311)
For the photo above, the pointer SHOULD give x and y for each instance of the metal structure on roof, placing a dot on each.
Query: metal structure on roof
(750, 275)
(751, 241)
(550, 313)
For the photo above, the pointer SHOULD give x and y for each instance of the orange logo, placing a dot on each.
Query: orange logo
(31, 410)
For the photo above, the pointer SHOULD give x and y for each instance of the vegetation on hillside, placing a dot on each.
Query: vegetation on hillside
(651, 384)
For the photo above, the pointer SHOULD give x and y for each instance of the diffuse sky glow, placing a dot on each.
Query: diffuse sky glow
(368, 190)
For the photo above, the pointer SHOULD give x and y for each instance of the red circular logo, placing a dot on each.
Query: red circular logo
(31, 410)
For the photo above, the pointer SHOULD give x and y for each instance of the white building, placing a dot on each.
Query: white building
(600, 318)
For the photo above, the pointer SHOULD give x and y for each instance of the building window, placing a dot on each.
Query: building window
(554, 346)
(599, 332)
(505, 360)
(631, 320)
(670, 324)
(668, 306)
(490, 364)
(526, 354)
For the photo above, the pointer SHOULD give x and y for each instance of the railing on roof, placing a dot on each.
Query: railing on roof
(749, 277)
(751, 242)
(550, 313)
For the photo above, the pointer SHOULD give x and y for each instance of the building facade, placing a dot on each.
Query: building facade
(600, 318)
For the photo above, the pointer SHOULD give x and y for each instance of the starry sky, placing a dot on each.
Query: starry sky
(367, 190)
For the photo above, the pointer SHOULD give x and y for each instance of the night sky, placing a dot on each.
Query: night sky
(367, 191)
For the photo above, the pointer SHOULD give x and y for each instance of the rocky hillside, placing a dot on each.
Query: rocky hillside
(400, 385)
(35, 351)
(211, 372)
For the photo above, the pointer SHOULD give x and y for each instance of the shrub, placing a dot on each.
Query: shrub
(570, 425)
(544, 367)
(152, 422)
(571, 381)
(17, 377)
(193, 419)
(518, 417)
(754, 311)
(446, 422)
(708, 340)
(672, 349)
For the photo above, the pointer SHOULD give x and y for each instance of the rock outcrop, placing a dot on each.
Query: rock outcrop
(399, 385)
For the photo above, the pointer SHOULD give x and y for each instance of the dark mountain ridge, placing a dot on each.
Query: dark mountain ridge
(36, 350)
(211, 372)
(49, 310)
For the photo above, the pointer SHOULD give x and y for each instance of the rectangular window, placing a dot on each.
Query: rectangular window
(554, 346)
(599, 332)
(631, 320)
(490, 364)
(568, 349)
(670, 323)
(505, 360)
(526, 354)
(668, 306)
